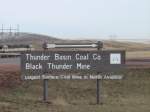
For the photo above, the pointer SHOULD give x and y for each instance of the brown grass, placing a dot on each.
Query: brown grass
(9, 75)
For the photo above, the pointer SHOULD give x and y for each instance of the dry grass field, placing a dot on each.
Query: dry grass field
(138, 54)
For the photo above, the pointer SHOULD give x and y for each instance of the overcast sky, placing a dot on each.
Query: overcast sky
(79, 18)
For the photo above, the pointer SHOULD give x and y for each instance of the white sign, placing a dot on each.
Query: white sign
(115, 58)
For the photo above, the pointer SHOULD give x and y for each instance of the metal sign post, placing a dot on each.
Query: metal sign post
(46, 46)
(45, 90)
(98, 86)
(40, 64)
(99, 46)
(45, 85)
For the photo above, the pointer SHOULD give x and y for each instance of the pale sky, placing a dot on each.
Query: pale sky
(78, 19)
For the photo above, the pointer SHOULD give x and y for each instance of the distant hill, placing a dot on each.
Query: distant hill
(26, 38)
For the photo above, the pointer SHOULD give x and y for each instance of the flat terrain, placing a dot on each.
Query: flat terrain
(138, 54)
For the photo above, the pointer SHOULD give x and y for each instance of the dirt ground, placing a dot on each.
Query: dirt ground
(9, 75)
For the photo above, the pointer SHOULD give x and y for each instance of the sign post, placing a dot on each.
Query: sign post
(98, 86)
(45, 85)
(45, 90)
(40, 64)
(46, 46)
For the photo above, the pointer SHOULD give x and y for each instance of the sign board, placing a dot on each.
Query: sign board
(45, 62)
